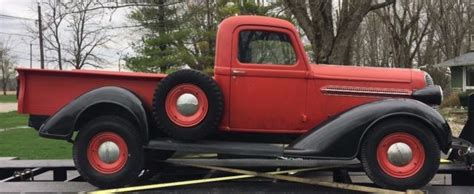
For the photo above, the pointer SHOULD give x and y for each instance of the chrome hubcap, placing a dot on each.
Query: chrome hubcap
(187, 104)
(399, 154)
(109, 152)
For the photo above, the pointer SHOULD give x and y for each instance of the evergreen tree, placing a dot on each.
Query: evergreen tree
(184, 33)
(162, 46)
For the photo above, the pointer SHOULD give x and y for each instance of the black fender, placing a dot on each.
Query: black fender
(341, 136)
(63, 123)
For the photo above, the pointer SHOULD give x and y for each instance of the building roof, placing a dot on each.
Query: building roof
(462, 60)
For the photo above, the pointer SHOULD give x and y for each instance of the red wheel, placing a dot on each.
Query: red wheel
(400, 155)
(107, 152)
(186, 105)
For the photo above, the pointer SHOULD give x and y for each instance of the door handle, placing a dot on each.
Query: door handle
(238, 72)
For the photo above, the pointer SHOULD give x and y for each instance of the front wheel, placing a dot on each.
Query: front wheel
(400, 154)
(108, 152)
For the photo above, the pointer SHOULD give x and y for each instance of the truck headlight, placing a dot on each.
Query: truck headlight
(428, 80)
(431, 95)
(442, 94)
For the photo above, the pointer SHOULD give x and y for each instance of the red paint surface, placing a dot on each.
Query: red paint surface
(44, 92)
(265, 98)
(93, 155)
(407, 170)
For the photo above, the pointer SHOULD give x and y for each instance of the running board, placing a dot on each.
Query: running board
(220, 147)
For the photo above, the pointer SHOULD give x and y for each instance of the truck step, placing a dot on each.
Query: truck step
(220, 147)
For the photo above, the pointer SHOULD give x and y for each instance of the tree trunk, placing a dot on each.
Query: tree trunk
(316, 20)
(4, 74)
(4, 86)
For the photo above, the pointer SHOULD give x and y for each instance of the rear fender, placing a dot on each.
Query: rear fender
(342, 136)
(69, 118)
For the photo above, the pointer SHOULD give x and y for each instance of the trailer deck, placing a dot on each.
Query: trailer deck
(203, 174)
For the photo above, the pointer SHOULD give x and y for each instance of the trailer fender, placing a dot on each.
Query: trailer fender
(63, 123)
(341, 136)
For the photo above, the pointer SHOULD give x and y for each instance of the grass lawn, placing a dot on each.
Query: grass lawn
(12, 119)
(7, 98)
(25, 143)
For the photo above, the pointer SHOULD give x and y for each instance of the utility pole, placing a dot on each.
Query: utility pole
(119, 66)
(40, 27)
(4, 73)
(31, 55)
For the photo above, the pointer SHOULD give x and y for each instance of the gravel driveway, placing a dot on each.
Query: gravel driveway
(7, 107)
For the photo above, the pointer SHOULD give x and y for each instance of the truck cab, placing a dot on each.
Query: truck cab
(262, 67)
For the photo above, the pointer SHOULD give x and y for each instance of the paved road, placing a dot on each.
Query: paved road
(7, 107)
(46, 187)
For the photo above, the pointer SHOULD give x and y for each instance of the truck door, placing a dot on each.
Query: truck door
(268, 84)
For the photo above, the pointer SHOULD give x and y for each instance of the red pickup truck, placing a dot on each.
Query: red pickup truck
(265, 99)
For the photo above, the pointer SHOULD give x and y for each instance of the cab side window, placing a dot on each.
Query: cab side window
(265, 47)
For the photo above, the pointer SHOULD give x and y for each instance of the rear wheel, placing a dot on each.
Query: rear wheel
(108, 152)
(400, 154)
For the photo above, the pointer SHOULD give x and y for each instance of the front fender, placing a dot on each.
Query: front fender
(341, 136)
(63, 123)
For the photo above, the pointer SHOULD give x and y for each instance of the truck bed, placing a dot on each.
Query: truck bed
(44, 92)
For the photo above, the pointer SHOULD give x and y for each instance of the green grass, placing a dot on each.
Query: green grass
(25, 143)
(12, 119)
(7, 98)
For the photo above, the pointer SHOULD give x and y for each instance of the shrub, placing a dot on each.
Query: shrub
(441, 76)
(209, 71)
(464, 98)
(451, 100)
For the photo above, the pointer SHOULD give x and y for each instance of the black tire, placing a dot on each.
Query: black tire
(417, 130)
(215, 107)
(126, 175)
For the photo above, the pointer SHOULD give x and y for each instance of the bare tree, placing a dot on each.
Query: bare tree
(452, 22)
(331, 38)
(372, 40)
(55, 15)
(409, 32)
(7, 68)
(73, 31)
(87, 35)
(408, 23)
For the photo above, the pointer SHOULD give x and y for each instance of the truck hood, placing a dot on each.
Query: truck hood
(357, 73)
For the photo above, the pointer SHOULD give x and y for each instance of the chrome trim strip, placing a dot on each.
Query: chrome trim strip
(365, 91)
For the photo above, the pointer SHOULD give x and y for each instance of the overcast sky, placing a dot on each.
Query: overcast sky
(14, 32)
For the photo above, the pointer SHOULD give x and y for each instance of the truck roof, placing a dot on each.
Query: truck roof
(235, 21)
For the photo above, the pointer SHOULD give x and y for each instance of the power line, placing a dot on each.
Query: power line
(22, 52)
(15, 34)
(24, 58)
(16, 17)
(104, 55)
